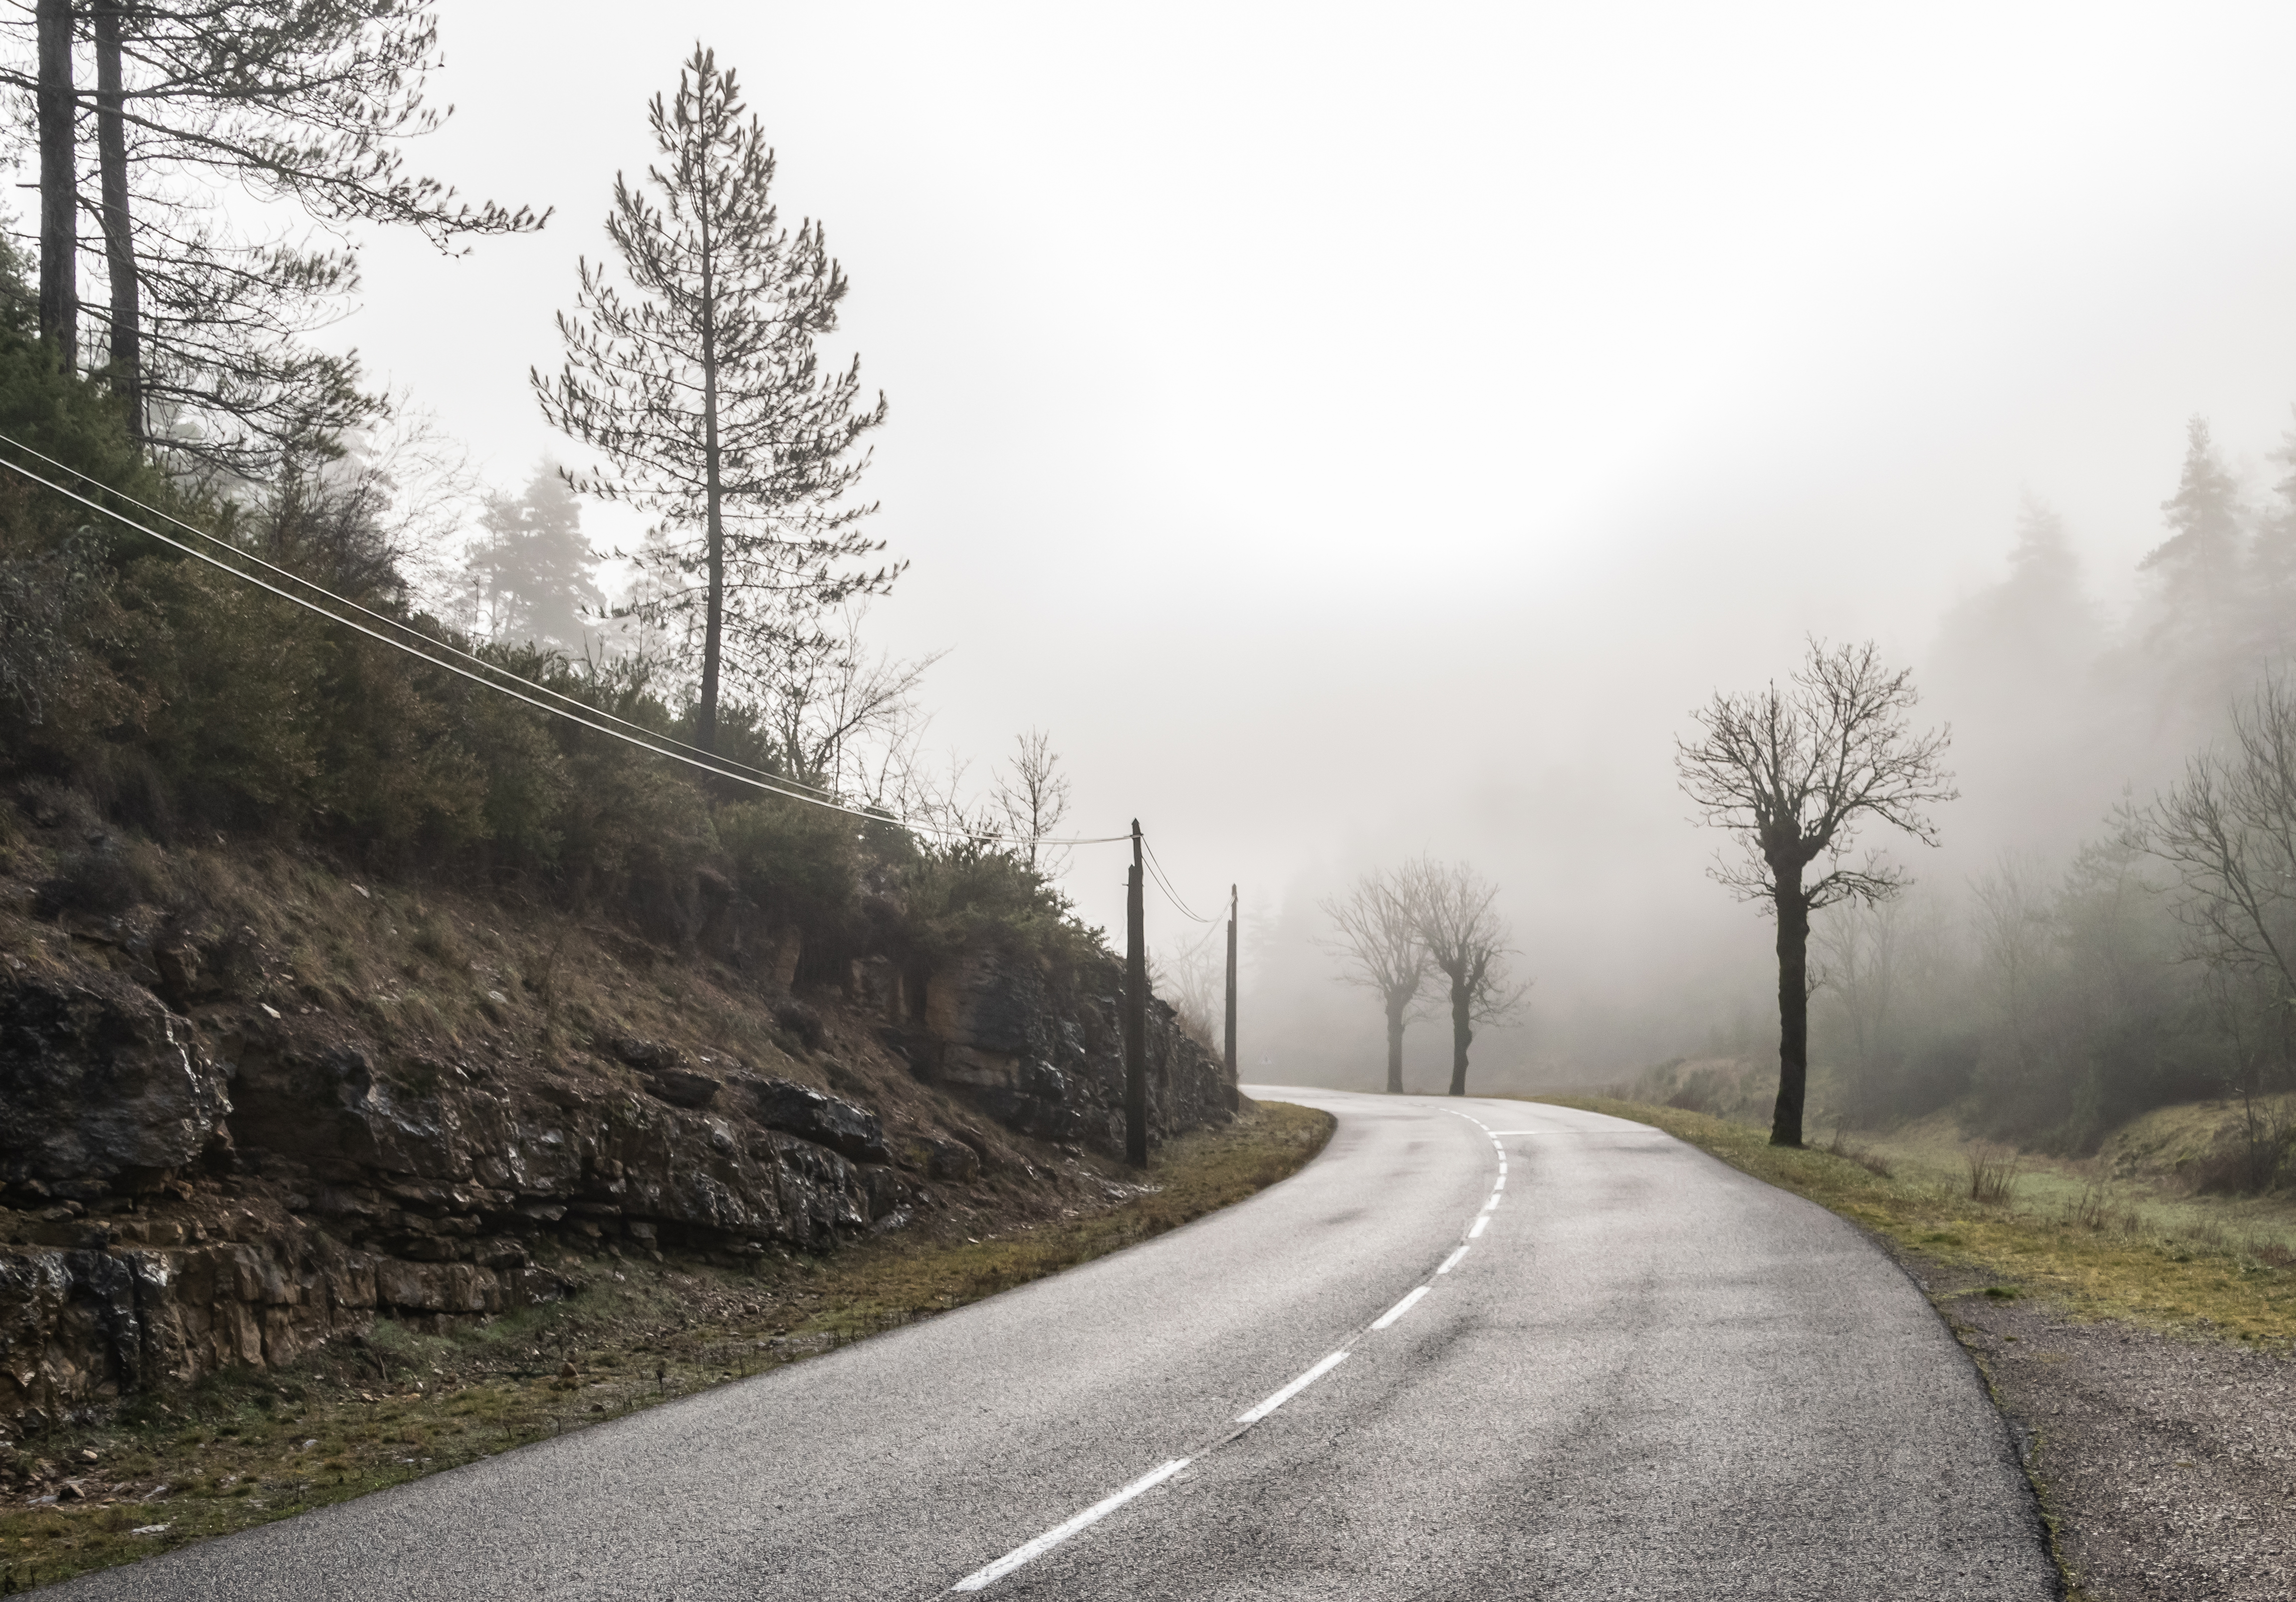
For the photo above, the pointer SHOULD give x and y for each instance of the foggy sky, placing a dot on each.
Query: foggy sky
(1359, 430)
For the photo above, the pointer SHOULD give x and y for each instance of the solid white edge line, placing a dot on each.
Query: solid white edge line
(1399, 1309)
(1254, 1415)
(1058, 1534)
(1452, 1261)
(1477, 1229)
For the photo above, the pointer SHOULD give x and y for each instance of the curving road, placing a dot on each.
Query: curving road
(1645, 1376)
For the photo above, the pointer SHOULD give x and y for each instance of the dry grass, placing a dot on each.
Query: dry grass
(1992, 1175)
(243, 1448)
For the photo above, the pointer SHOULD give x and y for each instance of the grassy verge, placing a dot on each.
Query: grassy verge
(2098, 1250)
(243, 1448)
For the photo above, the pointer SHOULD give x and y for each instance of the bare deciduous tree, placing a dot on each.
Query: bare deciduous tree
(1378, 944)
(1031, 798)
(1467, 942)
(2228, 829)
(1793, 772)
(829, 705)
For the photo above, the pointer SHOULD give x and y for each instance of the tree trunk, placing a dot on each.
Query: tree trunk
(127, 338)
(705, 715)
(59, 186)
(1395, 1043)
(1462, 1032)
(1793, 1007)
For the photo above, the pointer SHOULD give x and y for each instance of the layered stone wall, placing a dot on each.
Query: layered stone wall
(177, 1195)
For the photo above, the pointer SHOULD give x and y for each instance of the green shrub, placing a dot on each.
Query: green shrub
(966, 893)
(798, 862)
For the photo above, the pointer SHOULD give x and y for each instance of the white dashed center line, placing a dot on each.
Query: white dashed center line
(1254, 1415)
(1399, 1309)
(983, 1577)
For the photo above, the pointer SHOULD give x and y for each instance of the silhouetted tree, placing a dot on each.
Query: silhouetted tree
(704, 393)
(826, 700)
(1792, 773)
(1379, 949)
(1456, 910)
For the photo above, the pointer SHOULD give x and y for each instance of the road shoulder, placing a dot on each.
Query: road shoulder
(2161, 1447)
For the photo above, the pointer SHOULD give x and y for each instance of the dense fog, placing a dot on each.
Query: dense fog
(1360, 434)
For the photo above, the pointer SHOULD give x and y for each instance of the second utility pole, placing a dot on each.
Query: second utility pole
(1136, 1016)
(1234, 1094)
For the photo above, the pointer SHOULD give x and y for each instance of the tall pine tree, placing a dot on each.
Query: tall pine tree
(703, 389)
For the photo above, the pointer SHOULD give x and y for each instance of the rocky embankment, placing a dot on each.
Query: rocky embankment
(200, 1165)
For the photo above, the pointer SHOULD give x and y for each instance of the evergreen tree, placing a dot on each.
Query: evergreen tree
(533, 568)
(2270, 625)
(2198, 563)
(2196, 664)
(703, 389)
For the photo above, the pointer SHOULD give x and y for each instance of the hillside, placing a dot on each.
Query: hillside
(251, 1099)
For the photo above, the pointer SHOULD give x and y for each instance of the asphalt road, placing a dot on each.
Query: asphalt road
(1647, 1375)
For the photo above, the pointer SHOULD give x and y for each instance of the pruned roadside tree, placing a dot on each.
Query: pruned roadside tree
(1793, 774)
(1456, 913)
(300, 105)
(1375, 935)
(702, 388)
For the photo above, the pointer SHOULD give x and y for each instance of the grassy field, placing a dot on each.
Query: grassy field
(2100, 1247)
(243, 1447)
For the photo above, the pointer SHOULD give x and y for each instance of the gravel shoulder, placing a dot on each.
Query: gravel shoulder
(2166, 1468)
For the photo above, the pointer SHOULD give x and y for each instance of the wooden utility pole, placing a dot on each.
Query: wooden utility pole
(1234, 1096)
(1136, 1015)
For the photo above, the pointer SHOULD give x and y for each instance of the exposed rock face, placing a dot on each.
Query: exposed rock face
(429, 1169)
(1048, 1060)
(100, 1084)
(418, 1191)
(245, 1189)
(806, 1112)
(86, 1324)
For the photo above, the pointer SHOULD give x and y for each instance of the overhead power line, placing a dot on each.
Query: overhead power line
(1164, 883)
(430, 642)
(648, 742)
